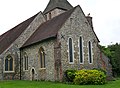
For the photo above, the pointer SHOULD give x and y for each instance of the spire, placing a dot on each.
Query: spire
(62, 4)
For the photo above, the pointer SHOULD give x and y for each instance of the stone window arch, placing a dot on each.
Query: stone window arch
(81, 56)
(25, 61)
(90, 53)
(71, 50)
(9, 63)
(42, 57)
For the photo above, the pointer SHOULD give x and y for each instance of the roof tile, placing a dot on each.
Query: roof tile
(10, 36)
(48, 29)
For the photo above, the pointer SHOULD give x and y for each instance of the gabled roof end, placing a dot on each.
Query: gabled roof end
(63, 4)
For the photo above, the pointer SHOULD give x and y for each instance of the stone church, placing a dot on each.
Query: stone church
(44, 46)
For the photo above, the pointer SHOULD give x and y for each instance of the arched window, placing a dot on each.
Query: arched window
(9, 63)
(90, 52)
(81, 50)
(25, 61)
(70, 46)
(42, 58)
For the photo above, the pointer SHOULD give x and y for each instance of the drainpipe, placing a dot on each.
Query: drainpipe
(2, 68)
(20, 64)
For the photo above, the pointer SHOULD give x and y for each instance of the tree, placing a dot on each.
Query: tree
(113, 52)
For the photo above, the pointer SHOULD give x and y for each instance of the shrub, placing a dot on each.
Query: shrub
(85, 77)
(100, 69)
(70, 75)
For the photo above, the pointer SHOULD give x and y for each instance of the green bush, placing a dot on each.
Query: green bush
(70, 75)
(93, 77)
(100, 69)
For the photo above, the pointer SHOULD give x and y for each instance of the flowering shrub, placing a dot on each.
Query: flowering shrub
(94, 77)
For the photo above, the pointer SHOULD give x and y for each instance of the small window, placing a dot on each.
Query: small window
(9, 63)
(81, 50)
(46, 16)
(25, 58)
(42, 58)
(50, 15)
(70, 46)
(90, 52)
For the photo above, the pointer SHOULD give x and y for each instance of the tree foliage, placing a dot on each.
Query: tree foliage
(113, 52)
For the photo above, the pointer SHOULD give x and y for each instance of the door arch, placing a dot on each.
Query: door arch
(33, 74)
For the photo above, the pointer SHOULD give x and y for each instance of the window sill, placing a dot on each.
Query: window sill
(8, 71)
(81, 63)
(25, 70)
(90, 63)
(71, 62)
(42, 68)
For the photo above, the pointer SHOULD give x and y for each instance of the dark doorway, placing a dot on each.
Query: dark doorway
(33, 74)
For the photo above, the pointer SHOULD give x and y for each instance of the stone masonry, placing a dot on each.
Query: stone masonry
(14, 48)
(34, 61)
(76, 26)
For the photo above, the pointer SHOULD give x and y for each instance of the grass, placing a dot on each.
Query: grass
(39, 84)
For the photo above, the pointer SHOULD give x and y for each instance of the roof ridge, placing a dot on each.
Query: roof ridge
(44, 31)
(7, 38)
(4, 34)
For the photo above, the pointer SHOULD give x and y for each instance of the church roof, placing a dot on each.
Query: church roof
(10, 36)
(48, 29)
(62, 4)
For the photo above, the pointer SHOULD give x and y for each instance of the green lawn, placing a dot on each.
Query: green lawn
(38, 84)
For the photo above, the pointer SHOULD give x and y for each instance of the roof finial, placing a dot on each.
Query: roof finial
(88, 14)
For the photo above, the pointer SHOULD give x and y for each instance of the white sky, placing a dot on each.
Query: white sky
(105, 13)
